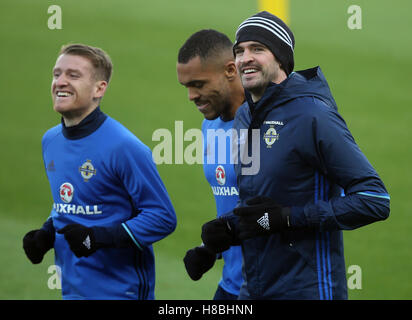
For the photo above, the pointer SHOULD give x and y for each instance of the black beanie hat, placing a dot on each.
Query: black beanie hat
(271, 31)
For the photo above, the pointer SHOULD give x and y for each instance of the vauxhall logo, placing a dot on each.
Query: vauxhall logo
(76, 209)
(66, 192)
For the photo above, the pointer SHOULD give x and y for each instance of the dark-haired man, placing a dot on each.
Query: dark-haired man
(291, 213)
(206, 68)
(110, 204)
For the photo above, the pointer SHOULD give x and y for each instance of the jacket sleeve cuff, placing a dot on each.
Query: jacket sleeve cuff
(297, 217)
(49, 228)
(117, 236)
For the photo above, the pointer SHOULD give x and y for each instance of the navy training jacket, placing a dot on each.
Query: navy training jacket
(308, 160)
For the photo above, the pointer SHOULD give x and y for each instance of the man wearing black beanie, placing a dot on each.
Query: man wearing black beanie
(272, 32)
(270, 35)
(313, 181)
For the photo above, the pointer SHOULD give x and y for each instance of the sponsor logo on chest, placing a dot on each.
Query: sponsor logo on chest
(66, 193)
(225, 191)
(220, 175)
(221, 180)
(76, 209)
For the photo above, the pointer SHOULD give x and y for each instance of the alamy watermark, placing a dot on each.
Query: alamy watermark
(354, 281)
(354, 21)
(355, 18)
(54, 281)
(244, 147)
(55, 20)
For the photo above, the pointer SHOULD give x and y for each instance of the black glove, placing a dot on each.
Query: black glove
(218, 235)
(198, 261)
(36, 243)
(81, 239)
(262, 216)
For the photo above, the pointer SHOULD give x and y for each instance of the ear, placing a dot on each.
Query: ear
(230, 70)
(100, 90)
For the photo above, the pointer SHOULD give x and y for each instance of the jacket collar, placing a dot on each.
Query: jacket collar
(86, 127)
(267, 102)
(309, 82)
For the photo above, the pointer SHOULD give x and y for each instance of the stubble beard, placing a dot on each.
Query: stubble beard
(258, 86)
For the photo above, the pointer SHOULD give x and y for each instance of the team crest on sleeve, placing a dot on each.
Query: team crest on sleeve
(66, 192)
(87, 170)
(220, 175)
(271, 135)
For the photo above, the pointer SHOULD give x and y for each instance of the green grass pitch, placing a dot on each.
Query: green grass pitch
(368, 71)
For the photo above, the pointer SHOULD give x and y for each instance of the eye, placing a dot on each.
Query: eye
(238, 51)
(197, 84)
(74, 75)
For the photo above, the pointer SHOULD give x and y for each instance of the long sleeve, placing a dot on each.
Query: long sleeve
(339, 161)
(156, 217)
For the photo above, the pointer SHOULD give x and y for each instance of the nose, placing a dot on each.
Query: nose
(60, 81)
(193, 94)
(246, 57)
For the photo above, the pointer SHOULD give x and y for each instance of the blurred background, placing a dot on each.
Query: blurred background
(368, 69)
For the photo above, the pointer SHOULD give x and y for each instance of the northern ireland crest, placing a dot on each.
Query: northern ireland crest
(87, 170)
(270, 136)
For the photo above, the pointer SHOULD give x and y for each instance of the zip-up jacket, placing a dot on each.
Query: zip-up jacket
(309, 161)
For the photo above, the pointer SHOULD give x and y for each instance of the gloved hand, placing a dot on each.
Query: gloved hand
(218, 235)
(81, 239)
(198, 261)
(84, 241)
(261, 216)
(36, 243)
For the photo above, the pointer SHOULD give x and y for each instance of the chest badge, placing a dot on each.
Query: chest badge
(220, 175)
(87, 170)
(270, 136)
(66, 192)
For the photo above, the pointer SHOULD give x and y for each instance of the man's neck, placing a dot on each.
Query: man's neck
(74, 118)
(257, 95)
(238, 97)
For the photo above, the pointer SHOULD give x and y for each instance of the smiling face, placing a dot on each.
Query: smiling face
(208, 86)
(75, 90)
(257, 67)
